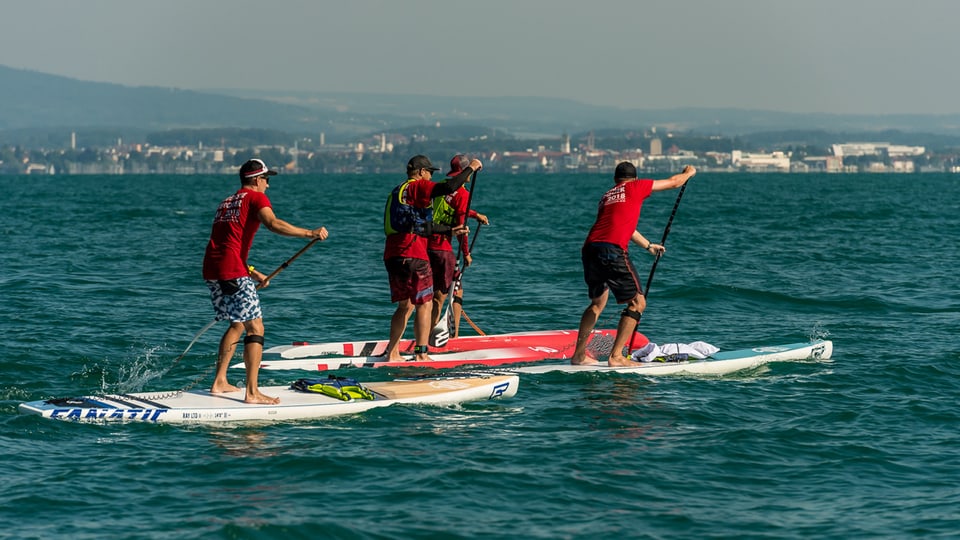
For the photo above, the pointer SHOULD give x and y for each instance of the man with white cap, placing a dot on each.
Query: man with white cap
(233, 283)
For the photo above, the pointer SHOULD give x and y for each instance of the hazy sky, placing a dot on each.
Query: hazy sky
(837, 56)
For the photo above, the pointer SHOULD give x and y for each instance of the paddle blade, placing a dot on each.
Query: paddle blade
(441, 332)
(449, 319)
(439, 335)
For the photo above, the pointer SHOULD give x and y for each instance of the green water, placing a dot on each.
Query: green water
(101, 291)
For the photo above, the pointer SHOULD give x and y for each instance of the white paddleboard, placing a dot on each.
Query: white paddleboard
(200, 406)
(720, 363)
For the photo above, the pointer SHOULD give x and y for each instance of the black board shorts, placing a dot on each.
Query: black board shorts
(608, 266)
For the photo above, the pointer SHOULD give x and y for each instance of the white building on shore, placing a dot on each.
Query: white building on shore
(776, 161)
(876, 149)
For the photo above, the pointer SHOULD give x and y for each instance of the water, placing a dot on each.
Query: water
(101, 291)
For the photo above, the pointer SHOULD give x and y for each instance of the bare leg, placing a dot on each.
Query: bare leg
(587, 321)
(421, 327)
(626, 327)
(228, 346)
(398, 323)
(252, 354)
(438, 299)
(457, 313)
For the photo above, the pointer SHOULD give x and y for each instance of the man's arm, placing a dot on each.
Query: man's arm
(451, 185)
(281, 227)
(642, 241)
(676, 180)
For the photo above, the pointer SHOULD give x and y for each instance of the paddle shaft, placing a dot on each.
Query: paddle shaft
(440, 333)
(475, 235)
(663, 242)
(286, 263)
(268, 278)
(466, 216)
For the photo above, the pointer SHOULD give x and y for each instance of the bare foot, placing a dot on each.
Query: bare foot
(223, 388)
(422, 358)
(261, 399)
(621, 361)
(585, 360)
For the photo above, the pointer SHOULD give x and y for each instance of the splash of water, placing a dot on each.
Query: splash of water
(818, 332)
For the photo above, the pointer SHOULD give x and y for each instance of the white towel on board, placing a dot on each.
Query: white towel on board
(651, 351)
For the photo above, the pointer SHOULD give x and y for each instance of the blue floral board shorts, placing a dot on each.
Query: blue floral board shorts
(235, 300)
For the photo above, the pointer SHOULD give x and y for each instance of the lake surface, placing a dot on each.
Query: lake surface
(102, 291)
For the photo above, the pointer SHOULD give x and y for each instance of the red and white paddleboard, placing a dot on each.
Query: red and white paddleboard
(481, 357)
(561, 340)
(491, 350)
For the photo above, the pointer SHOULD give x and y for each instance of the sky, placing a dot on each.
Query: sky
(810, 56)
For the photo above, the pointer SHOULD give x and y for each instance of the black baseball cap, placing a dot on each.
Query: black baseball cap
(625, 170)
(418, 162)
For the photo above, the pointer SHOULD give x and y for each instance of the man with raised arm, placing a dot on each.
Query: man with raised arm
(450, 209)
(407, 223)
(606, 262)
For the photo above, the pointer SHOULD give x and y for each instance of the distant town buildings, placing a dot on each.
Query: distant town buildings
(387, 152)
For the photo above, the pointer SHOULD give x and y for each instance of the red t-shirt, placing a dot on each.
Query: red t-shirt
(234, 227)
(619, 212)
(411, 245)
(457, 201)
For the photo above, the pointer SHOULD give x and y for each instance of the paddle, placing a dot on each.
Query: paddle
(440, 334)
(451, 321)
(663, 242)
(269, 277)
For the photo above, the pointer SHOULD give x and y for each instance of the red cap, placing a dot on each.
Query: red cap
(458, 164)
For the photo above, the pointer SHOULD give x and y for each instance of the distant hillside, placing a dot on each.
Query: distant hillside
(553, 115)
(31, 100)
(35, 105)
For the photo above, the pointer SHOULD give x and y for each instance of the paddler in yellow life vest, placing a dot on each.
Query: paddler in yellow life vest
(407, 225)
(451, 210)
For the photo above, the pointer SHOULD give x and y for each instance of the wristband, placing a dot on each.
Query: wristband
(250, 268)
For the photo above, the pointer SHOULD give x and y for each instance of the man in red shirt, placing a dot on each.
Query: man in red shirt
(450, 210)
(231, 281)
(408, 223)
(606, 262)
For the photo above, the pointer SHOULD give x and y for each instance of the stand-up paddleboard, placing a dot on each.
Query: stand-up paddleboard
(563, 341)
(202, 407)
(481, 357)
(720, 363)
